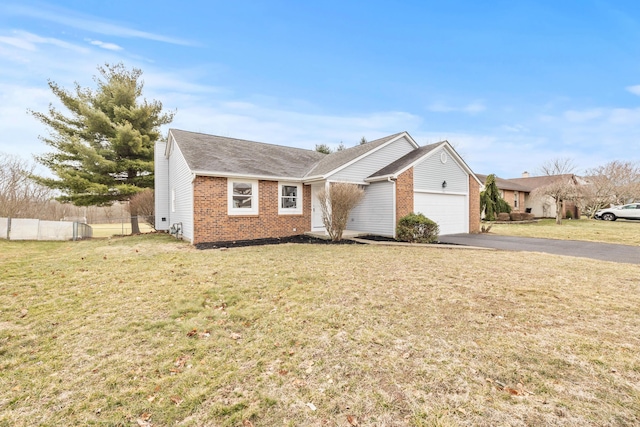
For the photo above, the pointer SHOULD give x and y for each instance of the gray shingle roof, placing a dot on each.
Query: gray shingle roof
(340, 158)
(534, 182)
(505, 184)
(209, 153)
(405, 160)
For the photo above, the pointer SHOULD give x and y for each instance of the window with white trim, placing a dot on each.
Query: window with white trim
(516, 199)
(173, 200)
(290, 198)
(243, 197)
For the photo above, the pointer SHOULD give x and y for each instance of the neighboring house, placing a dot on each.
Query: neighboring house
(215, 189)
(513, 193)
(545, 207)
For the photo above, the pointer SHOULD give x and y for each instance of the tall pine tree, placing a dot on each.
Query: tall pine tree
(103, 149)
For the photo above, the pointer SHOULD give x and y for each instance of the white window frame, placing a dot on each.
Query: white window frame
(516, 199)
(254, 197)
(290, 211)
(173, 200)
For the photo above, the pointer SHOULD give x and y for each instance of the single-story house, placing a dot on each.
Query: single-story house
(214, 189)
(513, 193)
(544, 206)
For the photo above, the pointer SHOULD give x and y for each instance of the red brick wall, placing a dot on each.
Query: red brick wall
(212, 224)
(509, 197)
(404, 194)
(474, 205)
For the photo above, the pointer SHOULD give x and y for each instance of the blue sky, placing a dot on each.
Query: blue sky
(511, 84)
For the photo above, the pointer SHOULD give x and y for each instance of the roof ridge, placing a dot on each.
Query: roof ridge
(244, 140)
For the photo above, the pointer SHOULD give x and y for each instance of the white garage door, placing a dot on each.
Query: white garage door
(449, 211)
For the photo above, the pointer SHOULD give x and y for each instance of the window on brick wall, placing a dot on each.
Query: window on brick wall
(516, 196)
(243, 197)
(290, 195)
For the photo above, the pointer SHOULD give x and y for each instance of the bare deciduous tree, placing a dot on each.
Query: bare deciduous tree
(20, 196)
(142, 205)
(336, 202)
(562, 187)
(617, 182)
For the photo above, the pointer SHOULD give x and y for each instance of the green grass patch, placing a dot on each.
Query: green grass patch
(618, 232)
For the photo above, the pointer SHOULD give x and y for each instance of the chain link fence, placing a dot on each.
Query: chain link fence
(122, 226)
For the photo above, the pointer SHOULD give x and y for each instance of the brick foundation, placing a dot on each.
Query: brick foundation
(212, 224)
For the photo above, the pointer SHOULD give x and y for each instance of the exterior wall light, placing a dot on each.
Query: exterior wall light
(444, 184)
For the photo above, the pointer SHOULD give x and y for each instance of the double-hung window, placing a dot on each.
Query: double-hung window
(516, 199)
(243, 197)
(290, 198)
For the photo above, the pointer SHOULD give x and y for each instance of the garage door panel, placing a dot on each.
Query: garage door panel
(449, 211)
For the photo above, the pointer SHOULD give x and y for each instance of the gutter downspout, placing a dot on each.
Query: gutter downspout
(395, 203)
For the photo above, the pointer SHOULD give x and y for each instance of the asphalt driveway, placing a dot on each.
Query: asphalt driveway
(600, 251)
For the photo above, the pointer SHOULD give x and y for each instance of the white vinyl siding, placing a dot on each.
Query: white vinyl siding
(376, 213)
(431, 173)
(180, 181)
(448, 206)
(161, 185)
(375, 161)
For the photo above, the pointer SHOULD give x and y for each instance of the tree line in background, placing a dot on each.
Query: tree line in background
(21, 196)
(324, 148)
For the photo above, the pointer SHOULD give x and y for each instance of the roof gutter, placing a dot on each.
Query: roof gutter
(247, 176)
(390, 178)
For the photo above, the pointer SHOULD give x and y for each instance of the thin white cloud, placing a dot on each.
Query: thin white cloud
(29, 41)
(472, 108)
(88, 23)
(634, 89)
(104, 45)
(583, 116)
(625, 116)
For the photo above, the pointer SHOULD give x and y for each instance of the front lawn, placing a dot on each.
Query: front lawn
(146, 330)
(620, 232)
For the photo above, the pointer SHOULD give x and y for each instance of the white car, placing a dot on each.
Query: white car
(630, 211)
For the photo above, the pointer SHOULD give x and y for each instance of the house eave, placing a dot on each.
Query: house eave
(389, 177)
(246, 176)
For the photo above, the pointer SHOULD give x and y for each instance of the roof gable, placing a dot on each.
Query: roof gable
(416, 156)
(405, 162)
(334, 162)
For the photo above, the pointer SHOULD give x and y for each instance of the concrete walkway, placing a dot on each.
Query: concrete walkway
(600, 251)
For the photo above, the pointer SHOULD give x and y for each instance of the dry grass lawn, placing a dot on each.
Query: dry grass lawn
(146, 330)
(620, 232)
(117, 229)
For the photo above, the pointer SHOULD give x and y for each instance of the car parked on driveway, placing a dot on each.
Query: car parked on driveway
(630, 211)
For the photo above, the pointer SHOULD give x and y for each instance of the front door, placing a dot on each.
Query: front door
(316, 211)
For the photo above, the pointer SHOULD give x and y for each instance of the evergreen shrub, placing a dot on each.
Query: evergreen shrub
(417, 228)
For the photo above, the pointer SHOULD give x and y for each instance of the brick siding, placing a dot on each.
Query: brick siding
(509, 197)
(213, 224)
(474, 205)
(404, 194)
